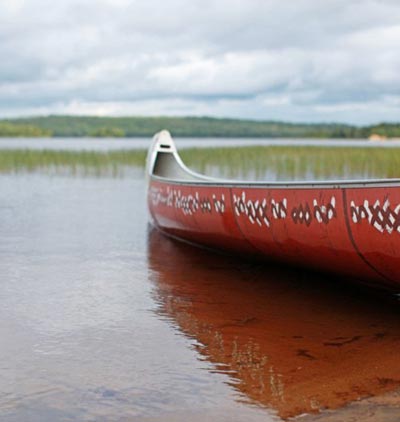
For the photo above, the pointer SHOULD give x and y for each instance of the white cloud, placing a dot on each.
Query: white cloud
(264, 59)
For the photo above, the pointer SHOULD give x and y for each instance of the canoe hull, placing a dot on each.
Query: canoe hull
(350, 229)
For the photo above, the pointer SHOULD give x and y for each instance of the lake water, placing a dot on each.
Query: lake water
(104, 144)
(104, 319)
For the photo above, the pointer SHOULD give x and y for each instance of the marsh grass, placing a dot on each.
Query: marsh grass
(255, 162)
(296, 163)
(98, 163)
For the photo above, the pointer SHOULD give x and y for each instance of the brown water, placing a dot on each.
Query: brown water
(291, 341)
(102, 319)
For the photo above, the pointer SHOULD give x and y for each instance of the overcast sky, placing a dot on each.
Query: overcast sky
(292, 60)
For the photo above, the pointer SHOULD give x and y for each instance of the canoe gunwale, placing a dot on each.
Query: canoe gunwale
(282, 185)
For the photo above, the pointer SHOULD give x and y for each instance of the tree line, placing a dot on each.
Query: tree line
(89, 126)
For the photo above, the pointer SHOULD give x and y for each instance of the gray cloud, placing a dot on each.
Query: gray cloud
(264, 59)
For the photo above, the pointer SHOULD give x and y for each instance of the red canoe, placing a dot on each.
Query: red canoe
(348, 227)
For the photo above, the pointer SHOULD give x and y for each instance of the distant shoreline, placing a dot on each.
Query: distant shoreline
(199, 127)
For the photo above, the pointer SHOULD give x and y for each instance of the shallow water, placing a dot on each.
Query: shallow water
(81, 335)
(292, 341)
(103, 319)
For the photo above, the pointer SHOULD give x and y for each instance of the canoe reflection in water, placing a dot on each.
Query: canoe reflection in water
(288, 339)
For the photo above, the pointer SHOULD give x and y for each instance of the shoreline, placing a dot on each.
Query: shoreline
(380, 408)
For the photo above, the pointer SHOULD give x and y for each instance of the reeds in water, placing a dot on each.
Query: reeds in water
(296, 163)
(255, 162)
(97, 163)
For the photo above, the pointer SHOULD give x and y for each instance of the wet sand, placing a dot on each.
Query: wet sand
(385, 408)
(289, 340)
